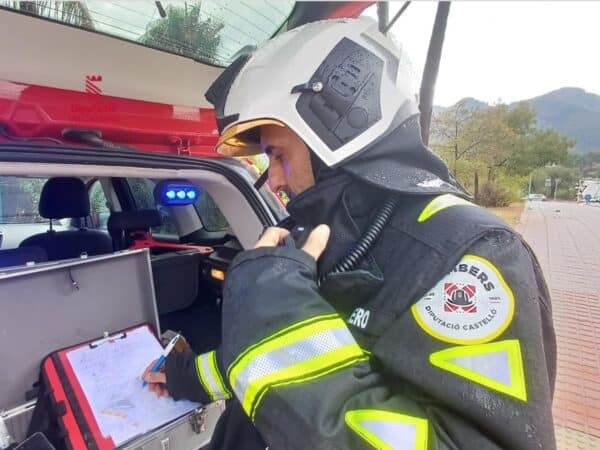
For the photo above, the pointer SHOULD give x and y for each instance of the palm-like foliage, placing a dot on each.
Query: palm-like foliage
(73, 13)
(183, 32)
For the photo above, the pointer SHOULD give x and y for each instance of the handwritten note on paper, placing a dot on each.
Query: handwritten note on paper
(110, 378)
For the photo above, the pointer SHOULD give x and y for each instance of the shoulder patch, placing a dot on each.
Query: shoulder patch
(471, 305)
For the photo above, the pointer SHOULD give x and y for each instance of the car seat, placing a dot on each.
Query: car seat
(67, 197)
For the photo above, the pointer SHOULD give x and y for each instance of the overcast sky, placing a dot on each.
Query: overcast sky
(506, 50)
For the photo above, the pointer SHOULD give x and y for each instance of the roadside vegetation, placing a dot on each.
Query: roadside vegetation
(511, 214)
(498, 152)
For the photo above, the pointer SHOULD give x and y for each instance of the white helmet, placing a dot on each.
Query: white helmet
(339, 84)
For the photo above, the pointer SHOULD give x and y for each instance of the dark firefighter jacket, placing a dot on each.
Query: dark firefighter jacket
(441, 339)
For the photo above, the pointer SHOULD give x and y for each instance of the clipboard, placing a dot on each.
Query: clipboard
(79, 424)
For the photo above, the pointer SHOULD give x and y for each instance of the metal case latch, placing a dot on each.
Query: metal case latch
(165, 444)
(5, 437)
(197, 420)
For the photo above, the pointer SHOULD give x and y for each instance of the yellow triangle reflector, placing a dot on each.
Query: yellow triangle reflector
(497, 365)
(386, 430)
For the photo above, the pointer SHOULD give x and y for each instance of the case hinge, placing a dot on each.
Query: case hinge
(197, 420)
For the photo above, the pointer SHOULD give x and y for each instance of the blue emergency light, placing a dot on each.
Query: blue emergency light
(175, 192)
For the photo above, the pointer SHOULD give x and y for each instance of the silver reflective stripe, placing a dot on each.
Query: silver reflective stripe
(215, 390)
(397, 435)
(281, 358)
(493, 365)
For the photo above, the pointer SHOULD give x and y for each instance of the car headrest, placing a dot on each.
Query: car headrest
(141, 220)
(64, 197)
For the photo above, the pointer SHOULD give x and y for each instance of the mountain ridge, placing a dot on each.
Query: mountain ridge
(572, 111)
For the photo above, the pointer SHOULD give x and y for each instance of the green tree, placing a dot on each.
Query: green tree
(183, 32)
(74, 13)
(520, 118)
(29, 203)
(98, 199)
(499, 145)
(454, 139)
(498, 139)
(562, 181)
(537, 149)
(480, 142)
(588, 164)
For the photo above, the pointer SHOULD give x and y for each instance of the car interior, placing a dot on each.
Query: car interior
(61, 214)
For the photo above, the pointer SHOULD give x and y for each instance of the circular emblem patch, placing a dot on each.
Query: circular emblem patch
(471, 305)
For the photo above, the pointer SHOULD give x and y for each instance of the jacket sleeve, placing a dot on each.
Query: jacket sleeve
(304, 381)
(195, 377)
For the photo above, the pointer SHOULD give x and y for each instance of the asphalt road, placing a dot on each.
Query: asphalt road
(566, 239)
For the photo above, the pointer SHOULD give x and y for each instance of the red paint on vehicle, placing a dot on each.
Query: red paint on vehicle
(349, 9)
(37, 111)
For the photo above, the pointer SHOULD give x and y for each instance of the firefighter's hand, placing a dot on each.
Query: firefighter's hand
(156, 380)
(314, 246)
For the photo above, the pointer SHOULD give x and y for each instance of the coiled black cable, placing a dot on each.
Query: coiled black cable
(359, 250)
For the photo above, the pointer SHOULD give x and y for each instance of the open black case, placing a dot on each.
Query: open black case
(57, 305)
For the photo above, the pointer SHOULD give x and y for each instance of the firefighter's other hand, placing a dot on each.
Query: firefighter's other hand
(156, 380)
(272, 237)
(317, 241)
(314, 246)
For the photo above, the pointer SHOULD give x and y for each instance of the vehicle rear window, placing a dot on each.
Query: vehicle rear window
(210, 31)
(209, 213)
(19, 200)
(99, 212)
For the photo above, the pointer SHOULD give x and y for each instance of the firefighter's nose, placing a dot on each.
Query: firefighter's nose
(277, 178)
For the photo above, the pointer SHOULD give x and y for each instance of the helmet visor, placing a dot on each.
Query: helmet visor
(243, 139)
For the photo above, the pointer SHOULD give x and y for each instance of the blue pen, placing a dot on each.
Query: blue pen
(162, 358)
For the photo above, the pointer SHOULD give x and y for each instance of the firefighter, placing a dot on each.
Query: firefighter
(424, 323)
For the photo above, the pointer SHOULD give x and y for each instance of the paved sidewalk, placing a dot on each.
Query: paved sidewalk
(566, 240)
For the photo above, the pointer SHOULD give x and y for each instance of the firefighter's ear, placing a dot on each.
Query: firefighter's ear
(317, 241)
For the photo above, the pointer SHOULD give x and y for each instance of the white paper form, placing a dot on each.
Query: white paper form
(110, 378)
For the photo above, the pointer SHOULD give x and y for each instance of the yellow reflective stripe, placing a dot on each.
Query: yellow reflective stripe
(303, 353)
(212, 361)
(199, 372)
(309, 377)
(465, 361)
(314, 368)
(386, 430)
(276, 335)
(282, 339)
(440, 203)
(208, 374)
